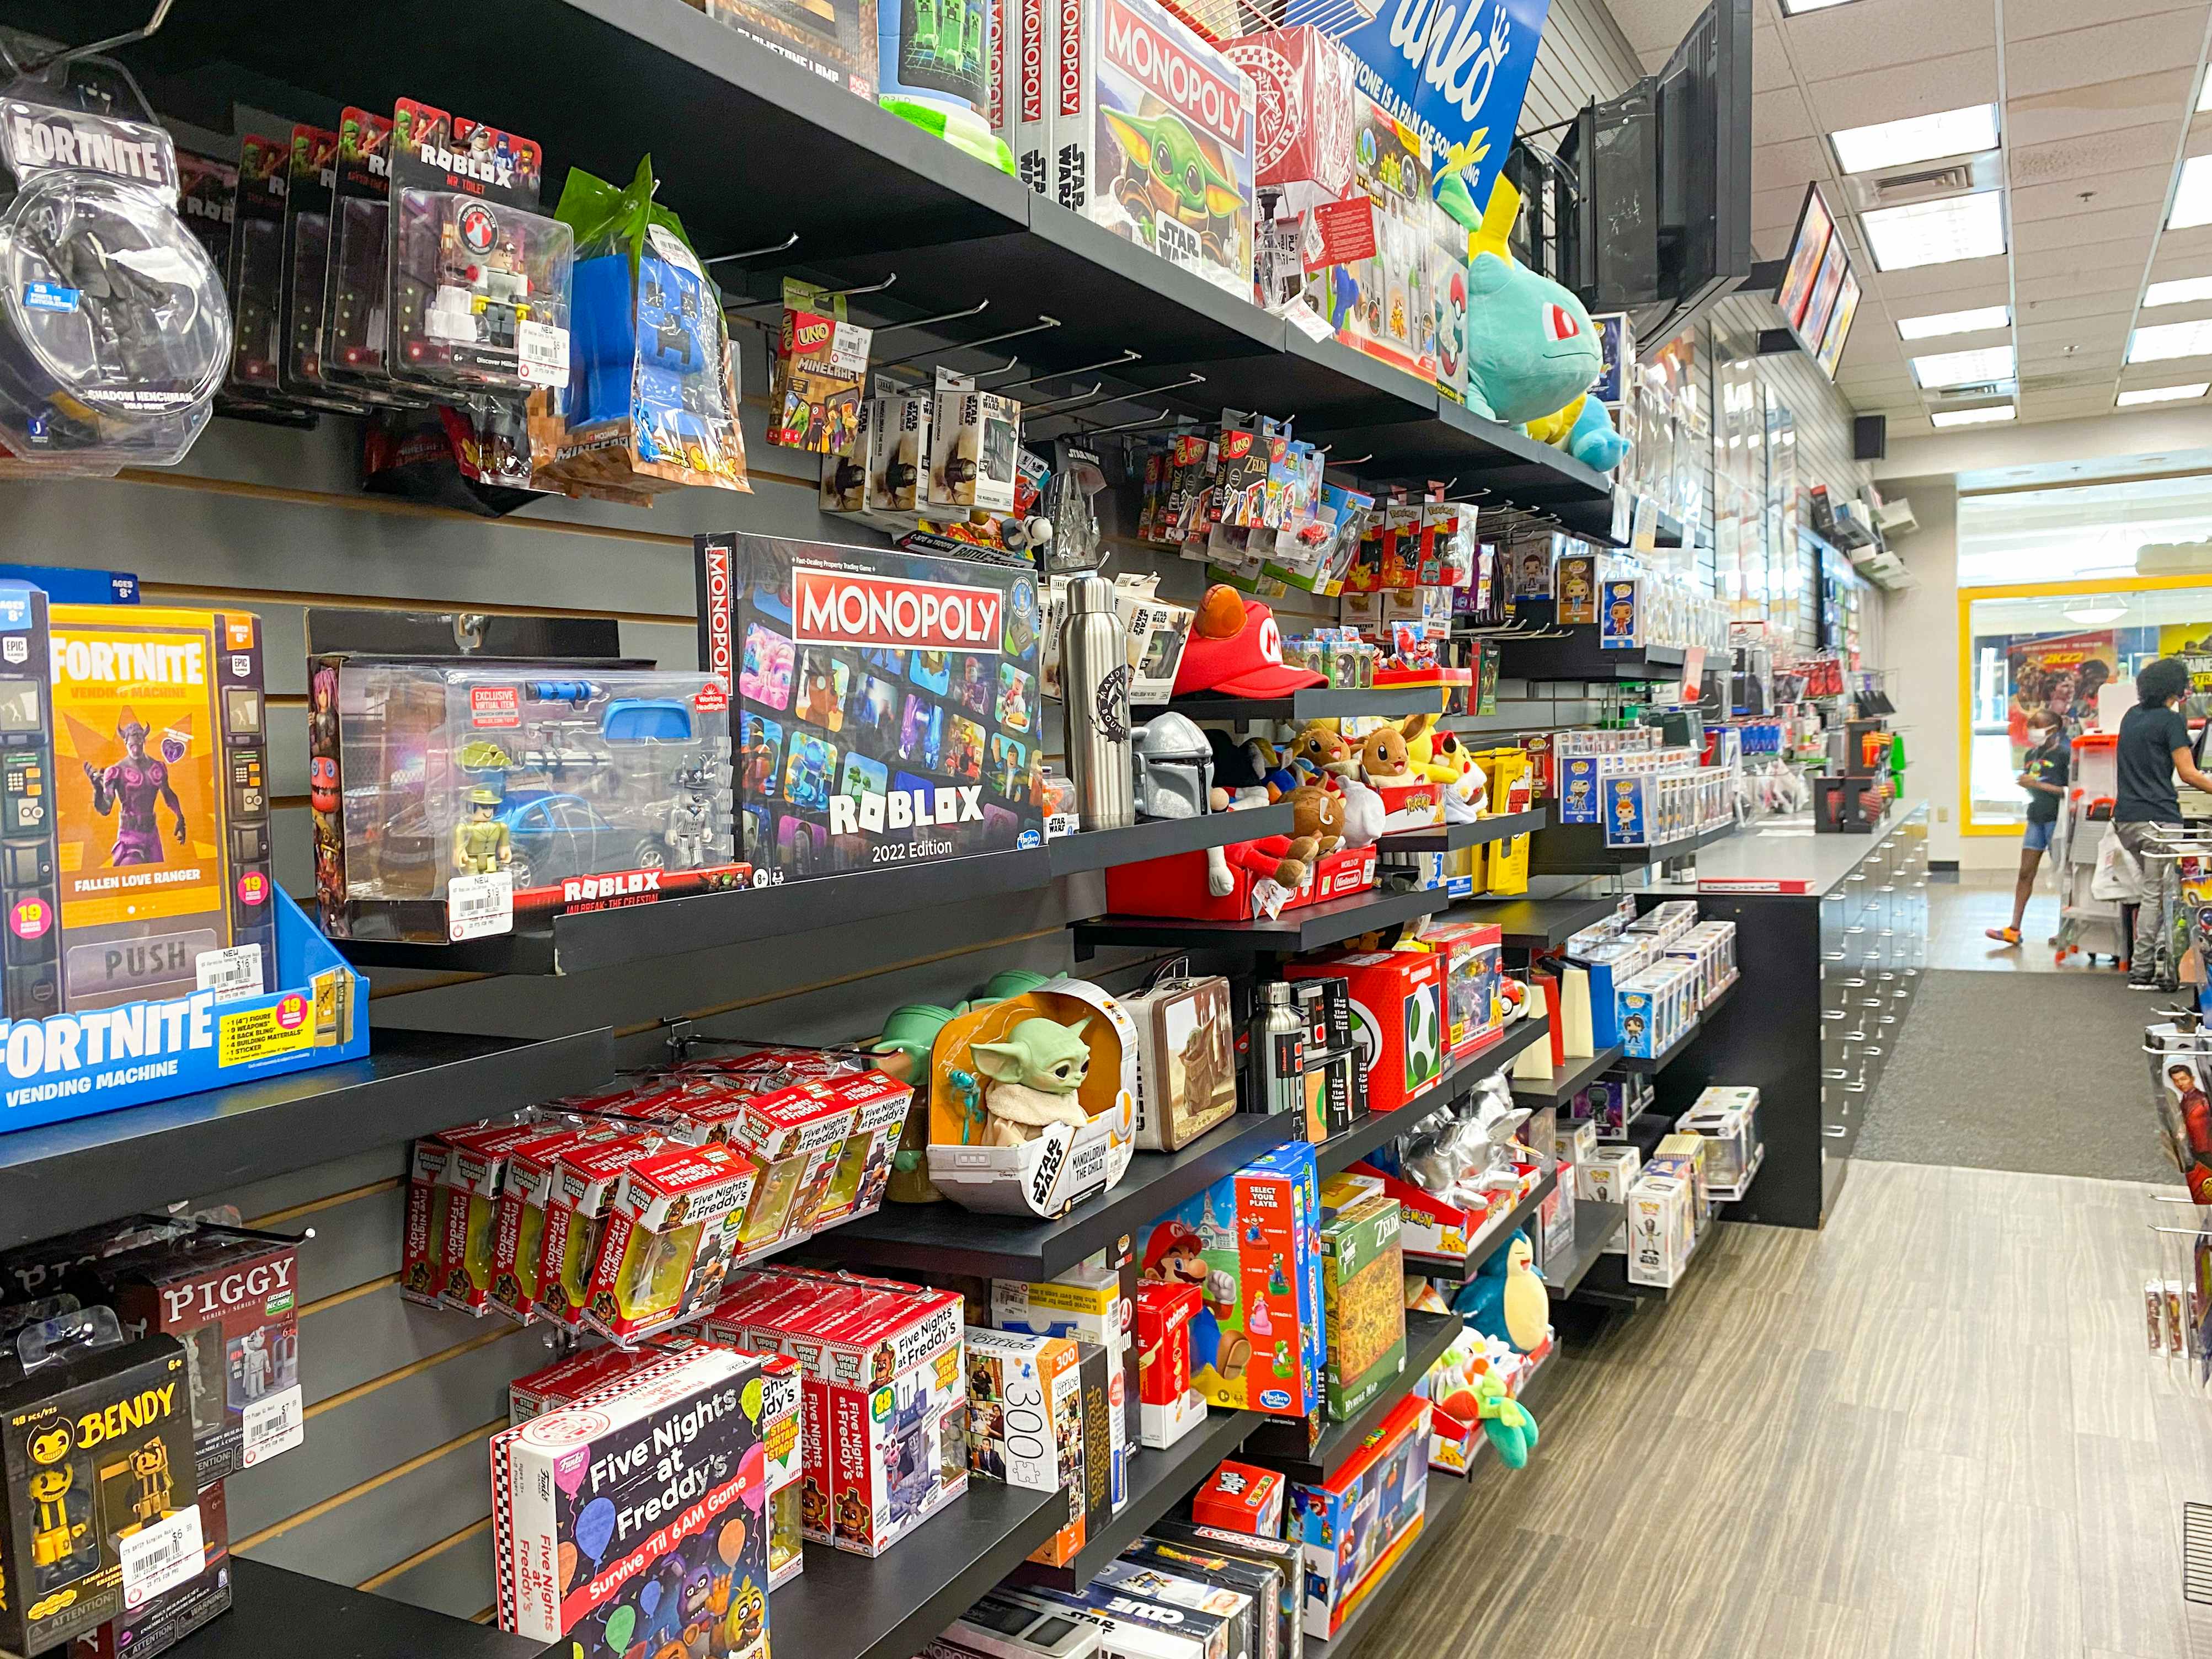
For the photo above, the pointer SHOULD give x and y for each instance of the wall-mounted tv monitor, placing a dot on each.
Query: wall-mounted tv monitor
(1705, 158)
(1815, 225)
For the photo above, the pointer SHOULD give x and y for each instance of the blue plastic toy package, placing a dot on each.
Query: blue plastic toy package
(652, 400)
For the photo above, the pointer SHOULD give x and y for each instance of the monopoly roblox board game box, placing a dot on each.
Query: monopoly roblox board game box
(886, 704)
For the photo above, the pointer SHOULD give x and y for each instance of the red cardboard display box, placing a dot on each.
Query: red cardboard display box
(1176, 885)
(1241, 1497)
(1397, 1018)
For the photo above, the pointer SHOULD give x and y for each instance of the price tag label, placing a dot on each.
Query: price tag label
(1644, 537)
(232, 973)
(274, 1422)
(848, 349)
(541, 353)
(478, 907)
(1309, 322)
(162, 1556)
(1268, 897)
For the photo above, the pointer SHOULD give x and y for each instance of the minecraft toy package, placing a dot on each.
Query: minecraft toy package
(1153, 132)
(1247, 1245)
(638, 1513)
(160, 803)
(96, 1449)
(886, 706)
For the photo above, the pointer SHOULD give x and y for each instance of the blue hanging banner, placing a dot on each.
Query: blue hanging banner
(1453, 71)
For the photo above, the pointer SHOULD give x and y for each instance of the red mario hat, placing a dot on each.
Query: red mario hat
(1236, 649)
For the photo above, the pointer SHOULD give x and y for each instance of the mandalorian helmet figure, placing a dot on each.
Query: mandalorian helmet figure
(1174, 768)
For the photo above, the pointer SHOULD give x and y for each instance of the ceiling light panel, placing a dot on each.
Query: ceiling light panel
(1954, 322)
(2163, 394)
(1974, 417)
(1948, 369)
(1792, 7)
(2160, 343)
(2181, 292)
(1922, 138)
(2193, 196)
(1937, 233)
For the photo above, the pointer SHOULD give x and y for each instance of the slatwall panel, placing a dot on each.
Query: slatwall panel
(1583, 56)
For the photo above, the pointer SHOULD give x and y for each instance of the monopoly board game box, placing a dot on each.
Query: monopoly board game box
(1153, 132)
(886, 706)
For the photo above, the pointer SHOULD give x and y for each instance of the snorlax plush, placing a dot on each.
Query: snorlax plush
(1531, 347)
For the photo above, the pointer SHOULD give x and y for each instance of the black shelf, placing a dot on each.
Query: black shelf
(1342, 1151)
(1159, 1480)
(1537, 924)
(60, 1175)
(1320, 702)
(946, 1238)
(705, 921)
(1579, 849)
(273, 1609)
(850, 1607)
(1606, 1278)
(1660, 1063)
(1310, 927)
(1575, 654)
(1100, 849)
(1579, 1075)
(1450, 837)
(1458, 1271)
(1595, 1222)
(1446, 1497)
(1281, 1441)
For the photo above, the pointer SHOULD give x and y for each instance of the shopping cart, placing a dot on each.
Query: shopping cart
(2087, 923)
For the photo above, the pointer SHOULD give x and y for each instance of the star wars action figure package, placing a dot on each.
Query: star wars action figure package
(230, 1297)
(887, 703)
(1152, 134)
(975, 440)
(96, 1449)
(480, 278)
(453, 793)
(638, 1512)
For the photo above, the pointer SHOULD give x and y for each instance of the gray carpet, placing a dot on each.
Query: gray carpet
(2041, 1073)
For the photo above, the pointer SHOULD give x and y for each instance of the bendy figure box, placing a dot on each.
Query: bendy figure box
(886, 703)
(470, 775)
(96, 1447)
(1033, 1100)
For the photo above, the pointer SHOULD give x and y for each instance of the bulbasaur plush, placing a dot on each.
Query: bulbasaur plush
(1531, 347)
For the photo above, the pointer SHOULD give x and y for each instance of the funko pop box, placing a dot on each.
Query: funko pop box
(885, 705)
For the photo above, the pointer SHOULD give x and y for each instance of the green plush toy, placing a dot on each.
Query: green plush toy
(1531, 347)
(1511, 1428)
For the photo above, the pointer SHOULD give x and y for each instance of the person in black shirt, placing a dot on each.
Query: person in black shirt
(2044, 773)
(2154, 749)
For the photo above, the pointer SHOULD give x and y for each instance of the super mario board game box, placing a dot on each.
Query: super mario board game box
(885, 704)
(638, 1513)
(99, 1514)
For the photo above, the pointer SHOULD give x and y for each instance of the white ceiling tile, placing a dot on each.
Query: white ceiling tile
(2120, 233)
(1656, 25)
(1790, 166)
(2175, 260)
(1769, 65)
(1876, 34)
(2025, 19)
(2117, 301)
(1927, 88)
(1778, 116)
(2142, 187)
(1903, 291)
(2094, 159)
(2132, 101)
(2085, 267)
(2106, 52)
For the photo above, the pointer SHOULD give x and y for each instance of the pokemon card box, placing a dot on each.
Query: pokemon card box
(638, 1513)
(885, 704)
(161, 805)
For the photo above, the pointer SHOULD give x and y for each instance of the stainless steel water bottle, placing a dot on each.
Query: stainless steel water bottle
(1094, 679)
(1279, 1050)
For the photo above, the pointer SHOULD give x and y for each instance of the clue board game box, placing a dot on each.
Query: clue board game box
(886, 705)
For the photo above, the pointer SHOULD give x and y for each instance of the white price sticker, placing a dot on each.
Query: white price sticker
(848, 349)
(231, 973)
(1309, 322)
(274, 1422)
(541, 353)
(162, 1556)
(476, 907)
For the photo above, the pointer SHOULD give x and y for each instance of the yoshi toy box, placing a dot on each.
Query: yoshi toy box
(1033, 1100)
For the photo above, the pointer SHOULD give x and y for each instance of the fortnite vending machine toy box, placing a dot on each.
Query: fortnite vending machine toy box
(886, 703)
(1153, 132)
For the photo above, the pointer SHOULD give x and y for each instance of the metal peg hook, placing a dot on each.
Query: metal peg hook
(1357, 460)
(1033, 410)
(931, 322)
(1041, 325)
(827, 293)
(71, 54)
(1160, 419)
(1126, 356)
(789, 241)
(1122, 397)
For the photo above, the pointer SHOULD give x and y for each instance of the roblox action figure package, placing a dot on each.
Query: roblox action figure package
(255, 274)
(453, 794)
(311, 183)
(1153, 136)
(98, 1515)
(638, 1513)
(357, 287)
(887, 703)
(480, 278)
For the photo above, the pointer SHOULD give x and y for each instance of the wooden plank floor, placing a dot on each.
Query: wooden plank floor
(1932, 1429)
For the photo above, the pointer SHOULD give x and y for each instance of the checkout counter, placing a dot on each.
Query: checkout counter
(1831, 937)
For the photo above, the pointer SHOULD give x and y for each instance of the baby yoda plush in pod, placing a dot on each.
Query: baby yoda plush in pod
(1033, 1099)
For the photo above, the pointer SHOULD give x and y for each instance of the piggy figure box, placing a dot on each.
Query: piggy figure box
(1398, 1018)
